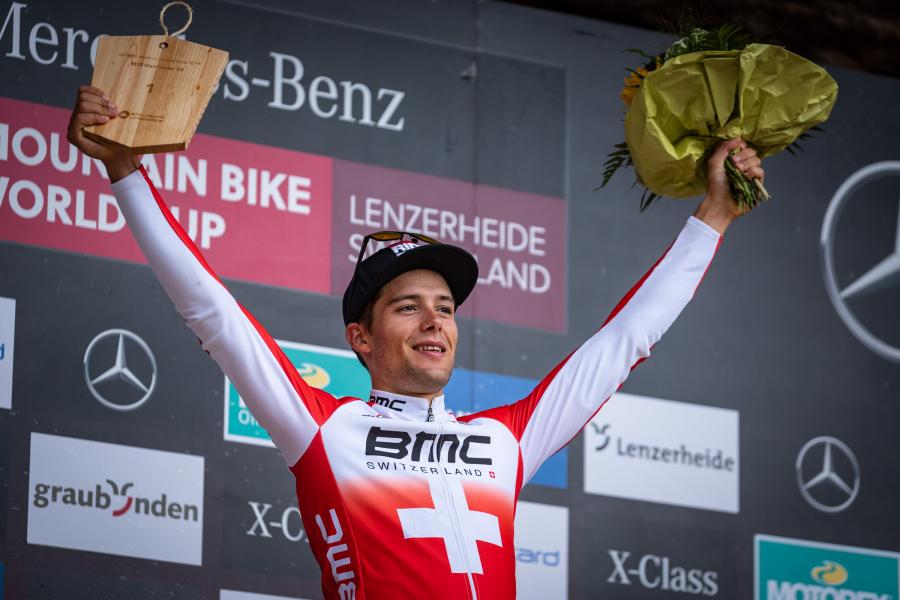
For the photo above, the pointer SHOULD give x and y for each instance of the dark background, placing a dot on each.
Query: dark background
(760, 337)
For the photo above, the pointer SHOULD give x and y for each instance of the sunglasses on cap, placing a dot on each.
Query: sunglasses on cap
(387, 236)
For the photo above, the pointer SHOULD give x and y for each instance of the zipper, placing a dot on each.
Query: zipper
(454, 517)
(430, 416)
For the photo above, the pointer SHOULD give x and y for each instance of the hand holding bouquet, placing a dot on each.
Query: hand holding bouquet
(709, 87)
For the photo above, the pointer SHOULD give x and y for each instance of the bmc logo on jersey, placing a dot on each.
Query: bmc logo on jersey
(115, 499)
(427, 447)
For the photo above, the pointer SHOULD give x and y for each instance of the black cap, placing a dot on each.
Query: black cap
(457, 266)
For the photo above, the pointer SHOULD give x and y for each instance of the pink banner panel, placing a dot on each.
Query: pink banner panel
(518, 238)
(258, 213)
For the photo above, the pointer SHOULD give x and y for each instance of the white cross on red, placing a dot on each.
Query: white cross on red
(449, 498)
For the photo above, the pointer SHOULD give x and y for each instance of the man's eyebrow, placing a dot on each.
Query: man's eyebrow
(417, 297)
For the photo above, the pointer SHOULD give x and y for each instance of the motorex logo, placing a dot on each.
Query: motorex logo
(787, 569)
(123, 500)
(338, 372)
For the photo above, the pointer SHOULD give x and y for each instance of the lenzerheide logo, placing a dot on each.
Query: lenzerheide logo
(120, 369)
(601, 431)
(116, 499)
(884, 274)
(707, 458)
(827, 474)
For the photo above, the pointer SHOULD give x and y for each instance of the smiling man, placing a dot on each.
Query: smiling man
(400, 498)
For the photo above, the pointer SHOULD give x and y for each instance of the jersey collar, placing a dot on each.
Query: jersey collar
(411, 408)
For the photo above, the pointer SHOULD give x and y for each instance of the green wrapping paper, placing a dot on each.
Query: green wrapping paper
(764, 94)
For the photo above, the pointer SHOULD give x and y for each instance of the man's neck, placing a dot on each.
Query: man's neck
(415, 408)
(384, 386)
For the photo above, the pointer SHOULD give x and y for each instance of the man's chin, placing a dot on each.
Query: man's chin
(431, 379)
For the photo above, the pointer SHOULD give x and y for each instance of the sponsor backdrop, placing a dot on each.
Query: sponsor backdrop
(753, 456)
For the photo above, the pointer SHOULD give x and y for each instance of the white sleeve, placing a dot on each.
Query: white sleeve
(570, 396)
(268, 384)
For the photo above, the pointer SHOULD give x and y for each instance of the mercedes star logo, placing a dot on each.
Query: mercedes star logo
(828, 474)
(885, 274)
(129, 377)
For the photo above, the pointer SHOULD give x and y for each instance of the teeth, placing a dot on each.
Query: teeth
(429, 348)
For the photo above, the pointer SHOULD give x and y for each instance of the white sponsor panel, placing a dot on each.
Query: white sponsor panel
(7, 333)
(664, 451)
(233, 595)
(542, 551)
(115, 499)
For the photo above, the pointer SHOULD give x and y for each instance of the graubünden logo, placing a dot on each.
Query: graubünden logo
(115, 498)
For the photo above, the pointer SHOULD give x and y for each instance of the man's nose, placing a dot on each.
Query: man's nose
(431, 319)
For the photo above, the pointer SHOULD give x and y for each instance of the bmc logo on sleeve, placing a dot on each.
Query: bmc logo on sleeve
(787, 569)
(338, 372)
(115, 499)
(542, 551)
(663, 451)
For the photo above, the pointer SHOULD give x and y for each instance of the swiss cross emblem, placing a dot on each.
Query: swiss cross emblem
(462, 547)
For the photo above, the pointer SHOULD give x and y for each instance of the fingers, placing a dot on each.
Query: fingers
(91, 99)
(716, 163)
(748, 163)
(87, 107)
(82, 120)
(89, 89)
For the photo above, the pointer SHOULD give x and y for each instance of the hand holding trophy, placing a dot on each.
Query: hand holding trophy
(161, 85)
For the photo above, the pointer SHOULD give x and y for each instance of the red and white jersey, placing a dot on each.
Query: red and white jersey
(397, 505)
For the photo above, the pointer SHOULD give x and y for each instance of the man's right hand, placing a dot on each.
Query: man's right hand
(93, 107)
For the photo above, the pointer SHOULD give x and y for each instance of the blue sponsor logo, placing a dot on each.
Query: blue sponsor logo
(531, 556)
(473, 391)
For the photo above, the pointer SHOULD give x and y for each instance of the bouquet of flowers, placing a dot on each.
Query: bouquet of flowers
(708, 87)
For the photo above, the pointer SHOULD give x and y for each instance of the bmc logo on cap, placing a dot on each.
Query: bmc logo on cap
(402, 247)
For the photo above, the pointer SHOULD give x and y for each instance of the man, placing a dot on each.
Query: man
(400, 498)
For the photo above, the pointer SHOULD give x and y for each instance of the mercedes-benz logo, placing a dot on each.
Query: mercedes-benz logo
(883, 275)
(119, 379)
(828, 474)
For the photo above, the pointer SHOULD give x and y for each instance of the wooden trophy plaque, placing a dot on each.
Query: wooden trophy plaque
(161, 85)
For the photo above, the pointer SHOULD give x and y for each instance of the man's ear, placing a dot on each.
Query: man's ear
(358, 338)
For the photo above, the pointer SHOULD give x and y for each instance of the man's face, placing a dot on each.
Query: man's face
(411, 346)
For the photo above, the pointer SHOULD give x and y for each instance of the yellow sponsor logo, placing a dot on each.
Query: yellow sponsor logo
(830, 573)
(314, 375)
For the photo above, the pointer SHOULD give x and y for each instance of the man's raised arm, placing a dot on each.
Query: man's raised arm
(566, 399)
(290, 410)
